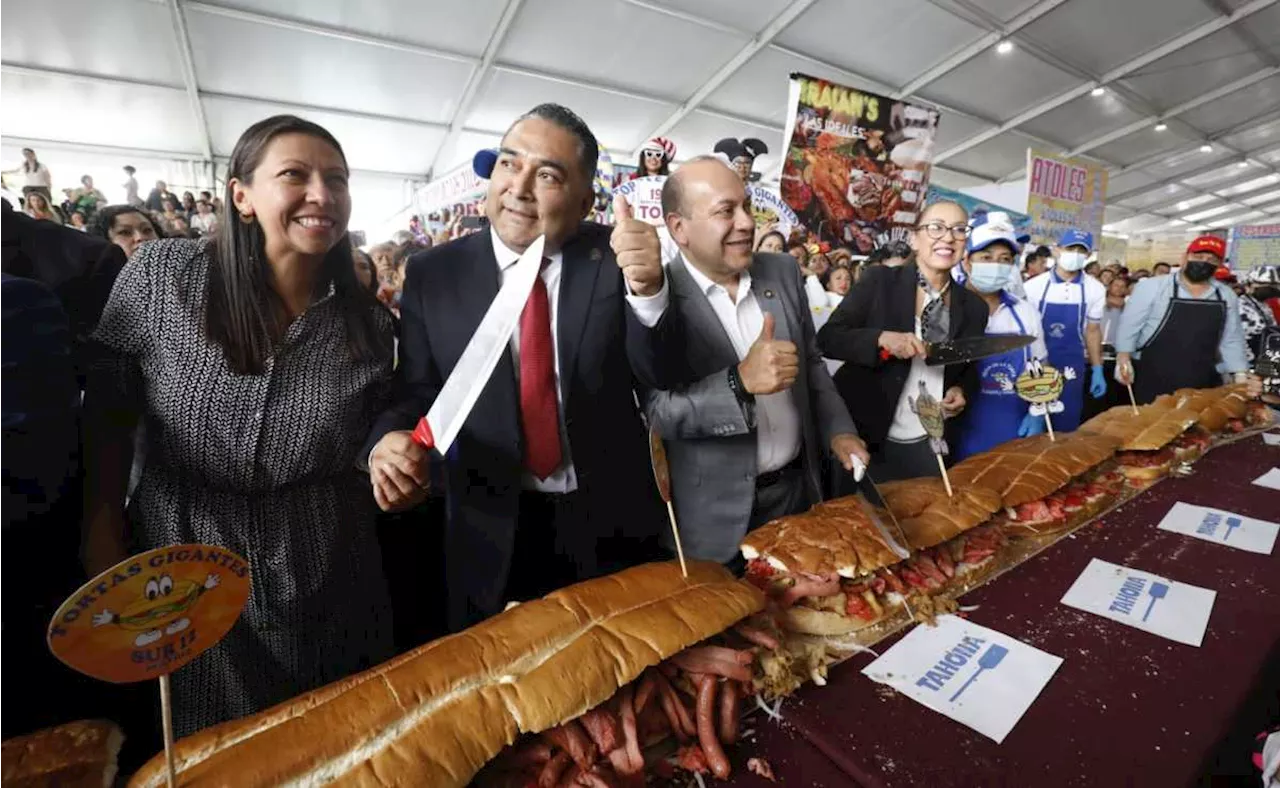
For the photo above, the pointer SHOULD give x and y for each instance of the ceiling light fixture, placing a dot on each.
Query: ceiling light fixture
(1004, 47)
(1206, 148)
(1162, 126)
(1242, 164)
(1096, 92)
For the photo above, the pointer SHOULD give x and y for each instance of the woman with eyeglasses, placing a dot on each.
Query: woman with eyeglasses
(881, 329)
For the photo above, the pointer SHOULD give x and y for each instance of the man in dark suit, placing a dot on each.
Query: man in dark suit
(80, 269)
(746, 434)
(548, 481)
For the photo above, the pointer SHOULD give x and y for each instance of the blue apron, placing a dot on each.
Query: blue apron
(1064, 339)
(996, 413)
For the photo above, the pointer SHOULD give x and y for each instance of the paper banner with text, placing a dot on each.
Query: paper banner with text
(1152, 603)
(856, 166)
(644, 195)
(768, 208)
(974, 675)
(1063, 194)
(1252, 245)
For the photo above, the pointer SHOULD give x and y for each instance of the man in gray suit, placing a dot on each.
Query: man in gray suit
(745, 434)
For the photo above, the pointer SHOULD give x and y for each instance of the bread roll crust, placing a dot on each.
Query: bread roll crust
(436, 715)
(79, 754)
(1028, 469)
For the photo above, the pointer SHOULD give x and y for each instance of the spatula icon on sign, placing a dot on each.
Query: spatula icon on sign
(1157, 591)
(989, 659)
(1232, 523)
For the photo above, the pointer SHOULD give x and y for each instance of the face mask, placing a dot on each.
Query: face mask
(1198, 271)
(988, 277)
(1072, 261)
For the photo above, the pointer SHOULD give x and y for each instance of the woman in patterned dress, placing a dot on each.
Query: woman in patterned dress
(256, 362)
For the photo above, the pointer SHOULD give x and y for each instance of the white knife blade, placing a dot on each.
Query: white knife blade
(440, 427)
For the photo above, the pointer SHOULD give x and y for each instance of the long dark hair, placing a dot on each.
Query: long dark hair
(105, 219)
(243, 315)
(30, 166)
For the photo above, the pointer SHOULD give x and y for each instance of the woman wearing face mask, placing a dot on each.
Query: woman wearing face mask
(1071, 305)
(1183, 330)
(880, 330)
(257, 363)
(1264, 281)
(997, 414)
(1255, 318)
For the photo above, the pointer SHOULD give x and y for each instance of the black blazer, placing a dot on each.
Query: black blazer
(80, 269)
(603, 350)
(885, 300)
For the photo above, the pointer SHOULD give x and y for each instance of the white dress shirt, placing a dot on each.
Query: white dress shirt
(777, 417)
(906, 426)
(648, 310)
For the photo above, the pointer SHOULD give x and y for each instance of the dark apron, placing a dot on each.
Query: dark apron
(1183, 352)
(1063, 326)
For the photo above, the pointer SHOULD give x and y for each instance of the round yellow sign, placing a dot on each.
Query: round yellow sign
(151, 614)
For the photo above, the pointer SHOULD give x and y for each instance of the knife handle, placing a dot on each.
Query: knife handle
(422, 434)
(885, 355)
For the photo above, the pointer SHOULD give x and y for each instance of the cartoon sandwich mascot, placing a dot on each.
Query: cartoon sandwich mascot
(161, 610)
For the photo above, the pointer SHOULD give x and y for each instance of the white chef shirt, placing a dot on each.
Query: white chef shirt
(648, 310)
(777, 417)
(1002, 322)
(1047, 287)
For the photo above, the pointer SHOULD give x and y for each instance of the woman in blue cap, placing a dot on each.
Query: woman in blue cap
(996, 413)
(1071, 304)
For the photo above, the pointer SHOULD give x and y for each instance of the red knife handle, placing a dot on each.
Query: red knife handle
(885, 355)
(422, 434)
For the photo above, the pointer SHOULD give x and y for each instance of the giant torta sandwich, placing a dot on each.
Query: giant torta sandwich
(75, 755)
(946, 533)
(1034, 477)
(581, 687)
(1145, 450)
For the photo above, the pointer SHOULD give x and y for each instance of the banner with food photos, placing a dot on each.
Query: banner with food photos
(856, 167)
(1063, 194)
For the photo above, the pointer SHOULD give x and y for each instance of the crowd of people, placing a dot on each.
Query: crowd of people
(265, 384)
(87, 209)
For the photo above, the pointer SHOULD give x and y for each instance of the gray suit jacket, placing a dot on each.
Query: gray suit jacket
(710, 438)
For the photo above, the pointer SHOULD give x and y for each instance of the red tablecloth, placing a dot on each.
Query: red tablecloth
(1125, 708)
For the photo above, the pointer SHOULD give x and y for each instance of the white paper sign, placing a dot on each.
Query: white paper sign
(1269, 479)
(1216, 525)
(1152, 603)
(1271, 438)
(974, 675)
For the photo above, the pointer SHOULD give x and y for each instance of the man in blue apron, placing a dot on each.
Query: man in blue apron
(1071, 304)
(997, 414)
(1183, 330)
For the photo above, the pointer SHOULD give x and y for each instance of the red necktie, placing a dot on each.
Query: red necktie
(539, 411)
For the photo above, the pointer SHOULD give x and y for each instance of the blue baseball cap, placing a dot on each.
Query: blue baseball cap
(1075, 237)
(483, 162)
(993, 227)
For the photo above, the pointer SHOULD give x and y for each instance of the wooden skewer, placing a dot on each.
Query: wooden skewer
(1048, 422)
(946, 480)
(1132, 401)
(166, 716)
(675, 532)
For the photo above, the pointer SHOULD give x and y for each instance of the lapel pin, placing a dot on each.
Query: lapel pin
(768, 294)
(596, 255)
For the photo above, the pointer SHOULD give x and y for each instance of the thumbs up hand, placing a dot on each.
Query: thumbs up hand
(637, 249)
(771, 365)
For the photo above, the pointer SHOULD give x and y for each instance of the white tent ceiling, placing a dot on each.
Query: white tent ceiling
(1180, 98)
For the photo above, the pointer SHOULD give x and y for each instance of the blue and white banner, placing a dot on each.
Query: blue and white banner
(974, 675)
(1152, 603)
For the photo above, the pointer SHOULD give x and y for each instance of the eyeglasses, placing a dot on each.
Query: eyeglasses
(937, 230)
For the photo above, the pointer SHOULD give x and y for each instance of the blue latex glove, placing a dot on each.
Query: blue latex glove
(1031, 425)
(1097, 382)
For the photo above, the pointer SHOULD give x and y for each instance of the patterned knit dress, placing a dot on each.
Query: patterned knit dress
(260, 464)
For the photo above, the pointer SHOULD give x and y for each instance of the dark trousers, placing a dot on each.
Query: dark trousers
(783, 495)
(543, 559)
